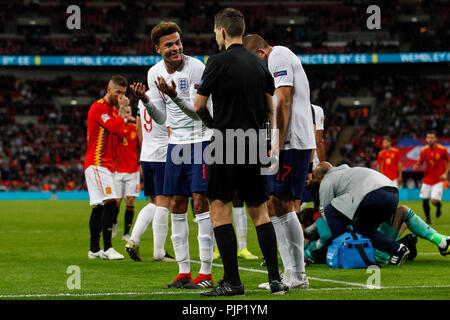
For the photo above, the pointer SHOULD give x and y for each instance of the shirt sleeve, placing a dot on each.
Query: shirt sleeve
(422, 155)
(157, 98)
(326, 193)
(320, 119)
(210, 77)
(110, 122)
(281, 70)
(380, 158)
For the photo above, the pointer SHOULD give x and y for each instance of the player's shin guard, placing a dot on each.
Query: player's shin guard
(129, 215)
(95, 227)
(282, 244)
(421, 229)
(144, 218)
(160, 229)
(426, 209)
(295, 240)
(180, 241)
(107, 222)
(205, 242)
(240, 223)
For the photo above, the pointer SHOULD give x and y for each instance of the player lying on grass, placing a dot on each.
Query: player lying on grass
(363, 198)
(317, 231)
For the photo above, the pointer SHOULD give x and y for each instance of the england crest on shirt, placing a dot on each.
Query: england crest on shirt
(183, 84)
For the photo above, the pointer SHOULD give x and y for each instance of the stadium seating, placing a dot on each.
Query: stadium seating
(308, 27)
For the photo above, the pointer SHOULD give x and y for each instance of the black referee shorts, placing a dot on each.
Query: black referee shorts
(243, 178)
(223, 180)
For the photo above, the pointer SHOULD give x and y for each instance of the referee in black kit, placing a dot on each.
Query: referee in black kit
(241, 87)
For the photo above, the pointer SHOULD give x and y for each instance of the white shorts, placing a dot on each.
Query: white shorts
(434, 192)
(395, 181)
(100, 185)
(127, 184)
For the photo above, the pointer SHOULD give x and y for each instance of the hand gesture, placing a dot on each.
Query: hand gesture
(139, 90)
(123, 101)
(162, 86)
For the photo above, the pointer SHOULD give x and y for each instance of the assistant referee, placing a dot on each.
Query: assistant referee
(241, 88)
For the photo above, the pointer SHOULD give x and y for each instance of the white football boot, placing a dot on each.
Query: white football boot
(112, 254)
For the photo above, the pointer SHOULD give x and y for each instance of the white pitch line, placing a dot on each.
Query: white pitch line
(184, 291)
(317, 279)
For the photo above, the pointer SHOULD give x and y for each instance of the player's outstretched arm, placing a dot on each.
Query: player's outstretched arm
(186, 106)
(157, 113)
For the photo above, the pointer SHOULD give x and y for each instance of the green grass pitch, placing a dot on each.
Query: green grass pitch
(40, 240)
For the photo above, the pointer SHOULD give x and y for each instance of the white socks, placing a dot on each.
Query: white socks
(144, 218)
(282, 244)
(180, 241)
(295, 241)
(240, 223)
(160, 228)
(205, 242)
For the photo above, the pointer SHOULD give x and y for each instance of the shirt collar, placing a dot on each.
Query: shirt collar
(235, 45)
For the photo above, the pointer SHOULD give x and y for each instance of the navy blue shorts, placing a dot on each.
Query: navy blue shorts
(153, 176)
(291, 176)
(307, 197)
(185, 173)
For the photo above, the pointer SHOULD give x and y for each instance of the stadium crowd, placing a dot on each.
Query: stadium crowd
(109, 28)
(52, 146)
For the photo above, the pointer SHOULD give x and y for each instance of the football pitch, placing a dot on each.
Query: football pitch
(44, 246)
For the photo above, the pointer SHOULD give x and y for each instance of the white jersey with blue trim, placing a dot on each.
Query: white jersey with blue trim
(287, 70)
(154, 137)
(183, 129)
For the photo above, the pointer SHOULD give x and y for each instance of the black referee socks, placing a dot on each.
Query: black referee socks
(95, 227)
(129, 215)
(268, 244)
(107, 222)
(227, 245)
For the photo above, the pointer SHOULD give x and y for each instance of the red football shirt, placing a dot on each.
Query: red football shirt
(127, 153)
(103, 126)
(388, 160)
(435, 163)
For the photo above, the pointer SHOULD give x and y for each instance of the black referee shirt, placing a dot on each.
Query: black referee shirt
(238, 82)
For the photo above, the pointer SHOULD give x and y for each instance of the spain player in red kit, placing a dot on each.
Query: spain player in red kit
(103, 127)
(127, 177)
(435, 157)
(389, 162)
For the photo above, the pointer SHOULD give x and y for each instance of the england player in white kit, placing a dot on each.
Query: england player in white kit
(173, 84)
(294, 123)
(319, 155)
(154, 139)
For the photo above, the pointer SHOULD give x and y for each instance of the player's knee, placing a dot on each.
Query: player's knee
(178, 205)
(200, 205)
(401, 210)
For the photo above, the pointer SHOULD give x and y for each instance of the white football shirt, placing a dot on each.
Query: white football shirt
(320, 120)
(287, 70)
(154, 137)
(183, 129)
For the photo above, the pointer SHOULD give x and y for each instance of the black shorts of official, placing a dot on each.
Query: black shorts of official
(223, 180)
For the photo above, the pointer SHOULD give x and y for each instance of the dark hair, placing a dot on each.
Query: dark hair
(432, 132)
(387, 138)
(231, 20)
(163, 29)
(118, 80)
